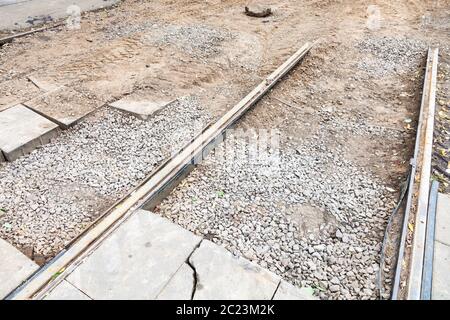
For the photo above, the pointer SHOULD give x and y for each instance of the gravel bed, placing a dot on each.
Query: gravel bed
(305, 212)
(391, 55)
(441, 143)
(355, 124)
(50, 195)
(127, 29)
(199, 41)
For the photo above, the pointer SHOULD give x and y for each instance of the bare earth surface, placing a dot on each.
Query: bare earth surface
(345, 116)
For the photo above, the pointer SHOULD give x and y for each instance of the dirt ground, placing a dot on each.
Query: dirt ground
(114, 52)
(211, 49)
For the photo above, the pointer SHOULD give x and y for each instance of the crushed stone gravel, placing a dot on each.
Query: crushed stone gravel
(199, 40)
(391, 55)
(49, 196)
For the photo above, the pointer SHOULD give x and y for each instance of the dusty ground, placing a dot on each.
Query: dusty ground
(355, 74)
(441, 148)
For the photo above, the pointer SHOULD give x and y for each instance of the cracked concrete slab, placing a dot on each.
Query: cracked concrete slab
(46, 85)
(181, 285)
(137, 260)
(287, 291)
(23, 130)
(15, 268)
(66, 291)
(141, 109)
(220, 275)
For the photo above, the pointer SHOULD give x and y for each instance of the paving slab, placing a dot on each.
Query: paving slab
(18, 14)
(136, 261)
(15, 268)
(220, 275)
(64, 106)
(443, 219)
(287, 291)
(440, 289)
(180, 286)
(22, 131)
(66, 291)
(44, 84)
(150, 257)
(15, 91)
(142, 109)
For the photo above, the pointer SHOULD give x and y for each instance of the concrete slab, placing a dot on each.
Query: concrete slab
(440, 289)
(220, 275)
(15, 91)
(64, 106)
(180, 286)
(18, 14)
(2, 157)
(287, 291)
(15, 268)
(140, 109)
(46, 85)
(443, 219)
(136, 261)
(22, 130)
(66, 291)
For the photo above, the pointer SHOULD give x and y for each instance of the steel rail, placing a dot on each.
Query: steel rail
(153, 186)
(418, 248)
(423, 138)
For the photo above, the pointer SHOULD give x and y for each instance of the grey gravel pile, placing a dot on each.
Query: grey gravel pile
(313, 217)
(51, 194)
(199, 41)
(391, 55)
(128, 29)
(354, 124)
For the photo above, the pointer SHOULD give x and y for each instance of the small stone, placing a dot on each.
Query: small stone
(335, 280)
(311, 265)
(334, 288)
